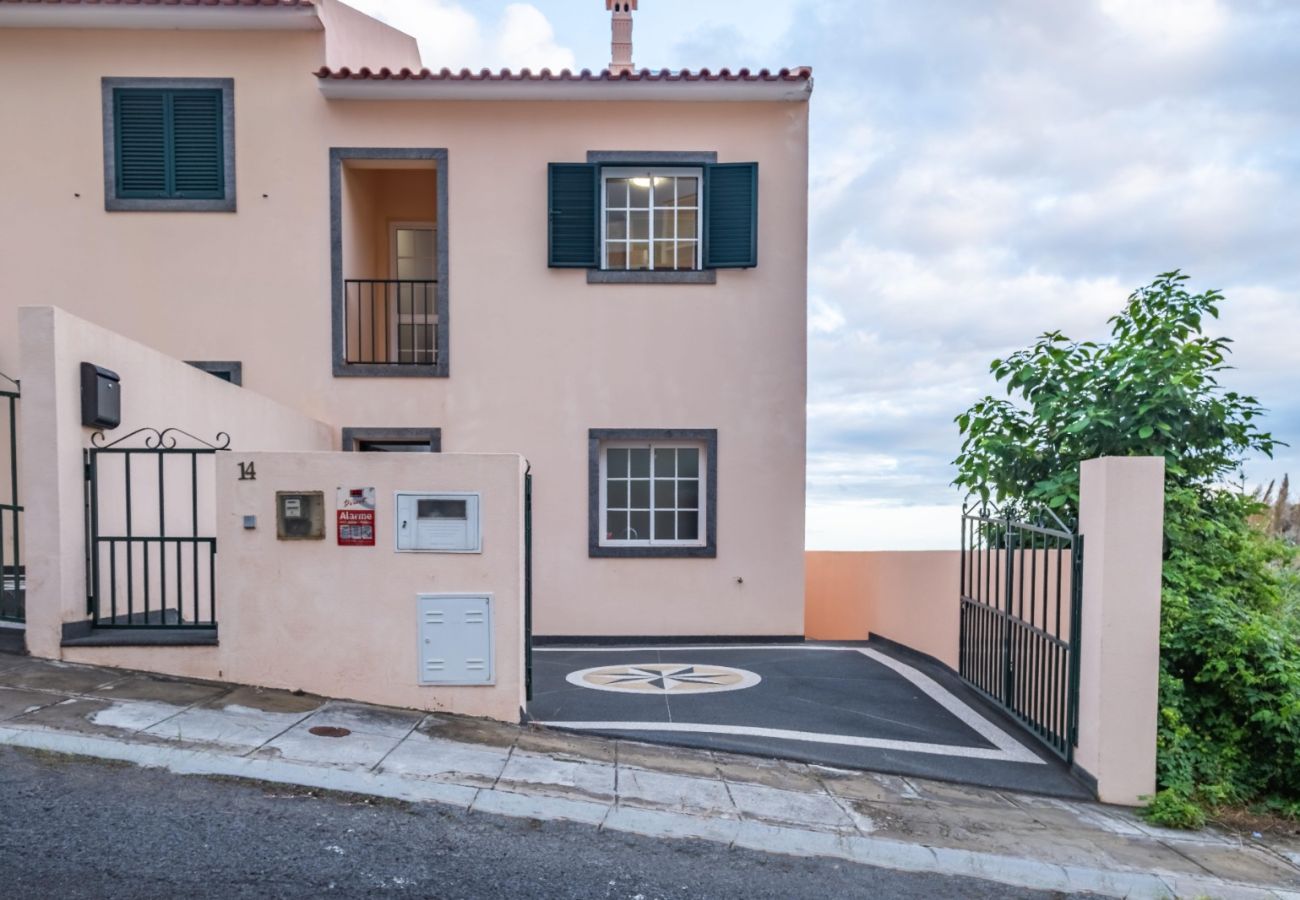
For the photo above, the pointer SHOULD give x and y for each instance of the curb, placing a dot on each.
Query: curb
(749, 834)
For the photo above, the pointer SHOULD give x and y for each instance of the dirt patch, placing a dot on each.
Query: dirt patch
(1249, 822)
(50, 758)
(277, 791)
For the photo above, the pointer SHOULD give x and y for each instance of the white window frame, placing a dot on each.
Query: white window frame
(399, 318)
(608, 172)
(702, 511)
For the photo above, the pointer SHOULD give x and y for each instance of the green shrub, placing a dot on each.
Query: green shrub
(1173, 810)
(1230, 655)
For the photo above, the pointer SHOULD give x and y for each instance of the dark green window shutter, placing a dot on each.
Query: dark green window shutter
(198, 167)
(731, 215)
(573, 198)
(140, 135)
(169, 143)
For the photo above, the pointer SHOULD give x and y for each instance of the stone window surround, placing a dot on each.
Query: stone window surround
(164, 204)
(707, 436)
(342, 369)
(657, 158)
(352, 436)
(234, 369)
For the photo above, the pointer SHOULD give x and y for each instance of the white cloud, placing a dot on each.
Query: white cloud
(527, 38)
(453, 37)
(1168, 24)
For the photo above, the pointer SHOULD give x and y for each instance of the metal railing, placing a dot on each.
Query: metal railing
(1021, 601)
(390, 321)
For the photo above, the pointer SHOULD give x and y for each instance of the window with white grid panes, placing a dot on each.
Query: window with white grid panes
(651, 219)
(652, 494)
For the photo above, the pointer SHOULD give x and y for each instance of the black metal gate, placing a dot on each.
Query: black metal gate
(13, 581)
(1021, 598)
(151, 541)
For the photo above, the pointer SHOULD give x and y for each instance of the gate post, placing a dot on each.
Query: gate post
(1121, 515)
(52, 474)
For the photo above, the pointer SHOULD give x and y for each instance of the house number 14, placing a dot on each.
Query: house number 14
(247, 472)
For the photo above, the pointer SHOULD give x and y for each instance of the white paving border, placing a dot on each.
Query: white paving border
(745, 833)
(1008, 749)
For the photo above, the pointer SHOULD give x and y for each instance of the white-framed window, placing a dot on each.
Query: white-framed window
(650, 218)
(413, 318)
(653, 494)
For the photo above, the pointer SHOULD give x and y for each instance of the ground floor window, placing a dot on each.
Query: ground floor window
(392, 440)
(226, 370)
(652, 492)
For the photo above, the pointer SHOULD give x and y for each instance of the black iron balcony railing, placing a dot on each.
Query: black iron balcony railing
(391, 321)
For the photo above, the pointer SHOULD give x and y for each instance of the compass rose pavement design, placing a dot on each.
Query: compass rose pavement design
(664, 678)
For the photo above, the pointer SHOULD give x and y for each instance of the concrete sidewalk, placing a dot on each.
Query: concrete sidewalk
(773, 806)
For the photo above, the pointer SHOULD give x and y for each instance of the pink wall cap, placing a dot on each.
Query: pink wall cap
(242, 4)
(800, 73)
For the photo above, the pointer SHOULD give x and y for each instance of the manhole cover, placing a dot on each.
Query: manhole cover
(329, 731)
(664, 678)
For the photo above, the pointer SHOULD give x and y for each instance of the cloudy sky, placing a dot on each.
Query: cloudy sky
(982, 172)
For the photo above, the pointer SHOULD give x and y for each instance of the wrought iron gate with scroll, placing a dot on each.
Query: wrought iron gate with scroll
(151, 530)
(1021, 599)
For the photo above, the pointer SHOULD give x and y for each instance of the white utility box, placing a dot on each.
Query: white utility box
(438, 523)
(456, 639)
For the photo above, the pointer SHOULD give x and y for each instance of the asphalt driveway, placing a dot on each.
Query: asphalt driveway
(865, 707)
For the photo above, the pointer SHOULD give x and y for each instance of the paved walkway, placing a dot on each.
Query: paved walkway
(864, 707)
(894, 822)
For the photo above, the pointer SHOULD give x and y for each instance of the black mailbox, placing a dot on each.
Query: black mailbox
(101, 397)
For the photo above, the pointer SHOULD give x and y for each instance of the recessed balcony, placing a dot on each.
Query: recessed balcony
(389, 262)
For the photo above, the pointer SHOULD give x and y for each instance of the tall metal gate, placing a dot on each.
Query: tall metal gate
(151, 541)
(1021, 598)
(13, 581)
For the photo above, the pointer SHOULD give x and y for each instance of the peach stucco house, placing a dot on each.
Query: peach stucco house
(602, 272)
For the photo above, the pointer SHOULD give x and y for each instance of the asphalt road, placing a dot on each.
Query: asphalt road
(73, 828)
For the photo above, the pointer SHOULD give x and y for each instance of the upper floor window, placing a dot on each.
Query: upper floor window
(631, 220)
(652, 219)
(168, 144)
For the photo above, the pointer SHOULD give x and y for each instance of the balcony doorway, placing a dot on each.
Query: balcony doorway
(389, 233)
(412, 315)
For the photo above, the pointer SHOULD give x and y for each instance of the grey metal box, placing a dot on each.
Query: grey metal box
(101, 397)
(455, 634)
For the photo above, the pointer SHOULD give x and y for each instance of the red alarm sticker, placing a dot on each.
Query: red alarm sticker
(356, 517)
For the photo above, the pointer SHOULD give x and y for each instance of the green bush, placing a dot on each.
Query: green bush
(1229, 725)
(1230, 655)
(1173, 810)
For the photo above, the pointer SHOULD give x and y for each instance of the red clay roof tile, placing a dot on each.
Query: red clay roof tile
(239, 3)
(802, 73)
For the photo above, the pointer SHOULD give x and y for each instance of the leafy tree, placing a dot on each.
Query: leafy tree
(1151, 390)
(1230, 620)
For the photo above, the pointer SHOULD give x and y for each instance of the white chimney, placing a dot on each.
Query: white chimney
(621, 26)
